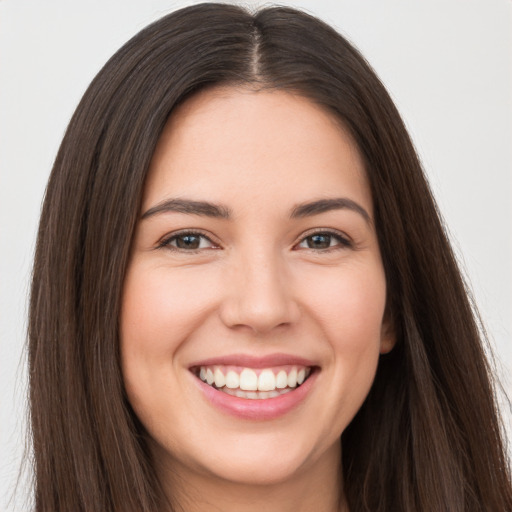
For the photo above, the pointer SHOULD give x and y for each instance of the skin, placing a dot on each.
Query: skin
(257, 288)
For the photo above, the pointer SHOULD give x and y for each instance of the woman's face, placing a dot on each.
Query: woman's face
(255, 267)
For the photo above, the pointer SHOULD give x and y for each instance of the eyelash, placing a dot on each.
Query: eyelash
(166, 242)
(343, 241)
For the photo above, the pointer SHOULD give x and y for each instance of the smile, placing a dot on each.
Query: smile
(253, 383)
(255, 388)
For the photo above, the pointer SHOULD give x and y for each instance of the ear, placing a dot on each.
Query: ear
(387, 333)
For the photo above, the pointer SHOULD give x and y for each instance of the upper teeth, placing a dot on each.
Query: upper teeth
(248, 379)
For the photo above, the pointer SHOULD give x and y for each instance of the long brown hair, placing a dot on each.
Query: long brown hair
(427, 437)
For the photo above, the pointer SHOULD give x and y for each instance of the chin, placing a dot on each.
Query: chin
(251, 459)
(271, 469)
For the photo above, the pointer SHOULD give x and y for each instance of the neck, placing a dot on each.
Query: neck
(317, 486)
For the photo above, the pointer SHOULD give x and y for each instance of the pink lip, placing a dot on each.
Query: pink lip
(248, 361)
(264, 409)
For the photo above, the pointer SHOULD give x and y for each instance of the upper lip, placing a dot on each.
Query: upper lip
(250, 361)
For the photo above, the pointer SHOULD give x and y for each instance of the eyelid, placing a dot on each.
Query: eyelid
(344, 240)
(164, 242)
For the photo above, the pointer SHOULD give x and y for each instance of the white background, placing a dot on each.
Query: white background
(447, 64)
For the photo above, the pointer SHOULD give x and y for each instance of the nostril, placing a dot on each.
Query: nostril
(259, 316)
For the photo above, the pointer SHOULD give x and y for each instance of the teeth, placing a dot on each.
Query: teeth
(220, 380)
(255, 395)
(281, 380)
(232, 380)
(292, 378)
(248, 384)
(248, 380)
(266, 381)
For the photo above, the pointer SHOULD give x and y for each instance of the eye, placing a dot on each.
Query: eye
(324, 241)
(188, 241)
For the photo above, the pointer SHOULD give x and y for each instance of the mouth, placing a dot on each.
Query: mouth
(253, 383)
(255, 388)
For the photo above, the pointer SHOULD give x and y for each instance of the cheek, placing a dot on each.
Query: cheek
(160, 309)
(349, 306)
(349, 302)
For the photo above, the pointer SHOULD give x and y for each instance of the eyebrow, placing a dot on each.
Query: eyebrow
(207, 209)
(189, 207)
(326, 205)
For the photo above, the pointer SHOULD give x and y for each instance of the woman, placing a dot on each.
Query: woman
(243, 297)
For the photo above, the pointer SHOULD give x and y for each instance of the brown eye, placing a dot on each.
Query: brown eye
(323, 241)
(188, 242)
(319, 241)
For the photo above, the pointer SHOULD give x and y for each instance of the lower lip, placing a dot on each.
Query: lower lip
(258, 409)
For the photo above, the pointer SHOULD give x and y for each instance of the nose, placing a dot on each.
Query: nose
(259, 295)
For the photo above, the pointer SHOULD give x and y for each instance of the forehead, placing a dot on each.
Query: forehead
(239, 145)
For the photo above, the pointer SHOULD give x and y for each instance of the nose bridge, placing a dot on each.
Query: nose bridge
(260, 295)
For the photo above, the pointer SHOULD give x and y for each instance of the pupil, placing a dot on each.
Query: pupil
(187, 242)
(319, 241)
